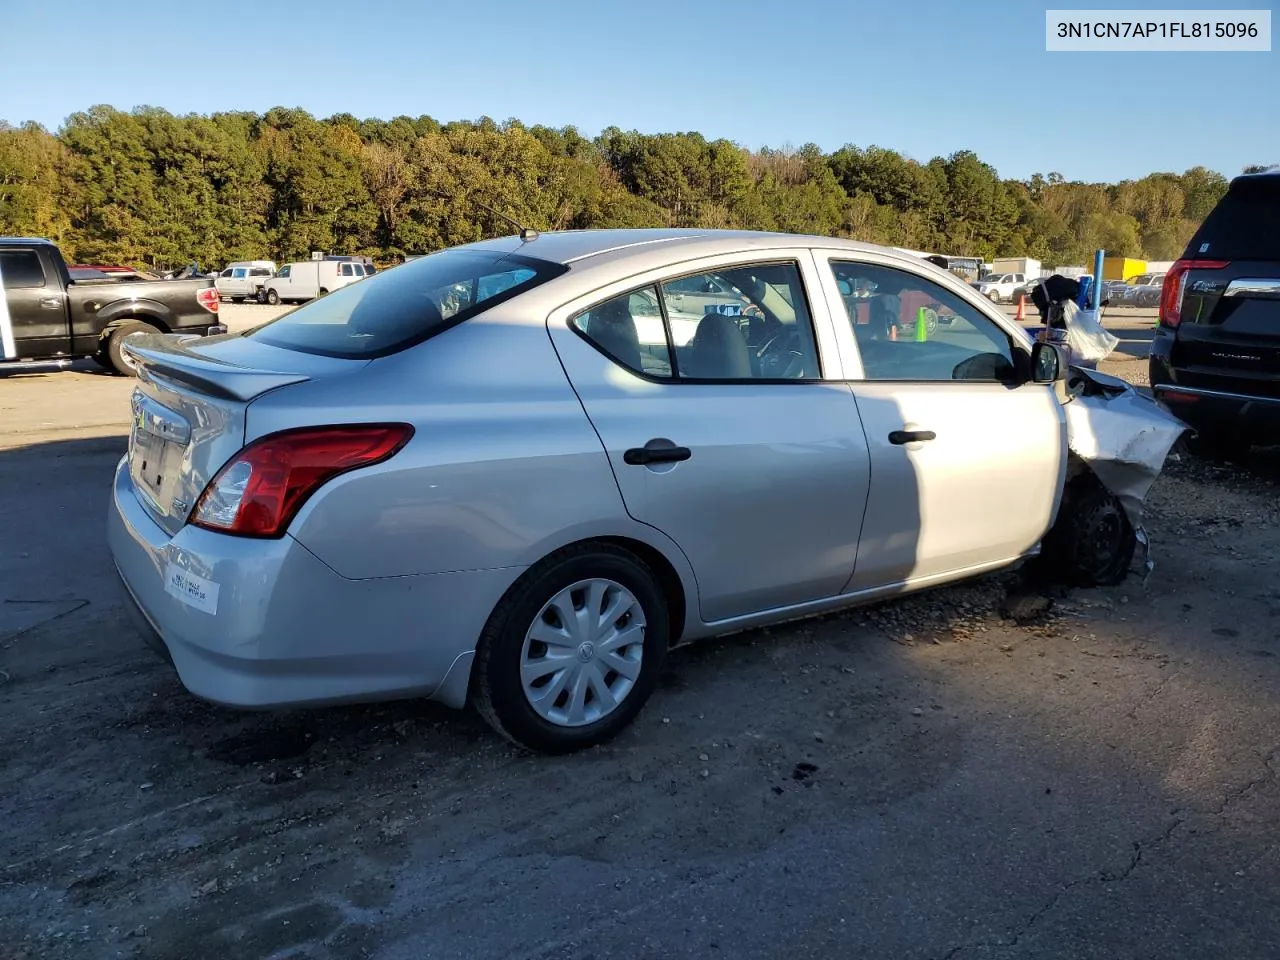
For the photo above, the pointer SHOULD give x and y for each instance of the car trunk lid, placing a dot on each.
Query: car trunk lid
(188, 410)
(1230, 326)
(1228, 319)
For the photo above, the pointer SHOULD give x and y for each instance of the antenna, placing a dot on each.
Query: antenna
(526, 233)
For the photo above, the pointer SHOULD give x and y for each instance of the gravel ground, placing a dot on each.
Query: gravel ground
(984, 771)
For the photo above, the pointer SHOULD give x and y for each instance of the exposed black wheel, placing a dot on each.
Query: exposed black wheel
(112, 350)
(572, 652)
(273, 298)
(260, 296)
(1092, 542)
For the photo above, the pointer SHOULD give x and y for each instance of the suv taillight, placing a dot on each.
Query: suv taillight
(258, 493)
(1174, 281)
(208, 298)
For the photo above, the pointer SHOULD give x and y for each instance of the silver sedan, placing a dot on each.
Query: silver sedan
(519, 471)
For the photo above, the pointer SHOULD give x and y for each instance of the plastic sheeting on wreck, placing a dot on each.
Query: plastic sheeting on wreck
(1124, 437)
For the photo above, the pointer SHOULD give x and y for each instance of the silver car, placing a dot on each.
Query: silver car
(494, 473)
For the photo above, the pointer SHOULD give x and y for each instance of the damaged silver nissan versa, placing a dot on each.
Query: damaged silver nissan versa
(519, 471)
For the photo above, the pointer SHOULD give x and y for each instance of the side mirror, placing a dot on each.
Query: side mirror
(1048, 362)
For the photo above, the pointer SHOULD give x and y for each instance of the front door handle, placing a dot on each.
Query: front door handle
(51, 303)
(648, 454)
(900, 437)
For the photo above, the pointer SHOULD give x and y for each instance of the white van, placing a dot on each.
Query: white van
(244, 279)
(308, 279)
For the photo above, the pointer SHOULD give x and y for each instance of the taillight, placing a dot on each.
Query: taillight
(258, 493)
(208, 298)
(1174, 280)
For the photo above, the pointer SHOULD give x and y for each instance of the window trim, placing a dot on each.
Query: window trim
(44, 274)
(677, 378)
(855, 373)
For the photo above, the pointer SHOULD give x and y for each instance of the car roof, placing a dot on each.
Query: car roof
(25, 241)
(573, 246)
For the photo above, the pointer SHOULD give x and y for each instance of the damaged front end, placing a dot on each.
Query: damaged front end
(1118, 440)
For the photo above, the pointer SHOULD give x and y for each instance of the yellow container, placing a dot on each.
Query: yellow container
(1122, 268)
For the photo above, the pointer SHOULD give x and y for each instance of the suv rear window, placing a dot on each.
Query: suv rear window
(399, 308)
(1243, 224)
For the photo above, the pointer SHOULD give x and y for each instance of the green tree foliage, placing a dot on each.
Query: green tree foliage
(148, 187)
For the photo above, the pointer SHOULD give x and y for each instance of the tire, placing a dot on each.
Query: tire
(111, 354)
(507, 648)
(273, 298)
(994, 296)
(260, 296)
(323, 292)
(1092, 542)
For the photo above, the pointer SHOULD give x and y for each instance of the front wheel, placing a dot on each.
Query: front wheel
(273, 298)
(994, 296)
(1092, 542)
(260, 296)
(572, 652)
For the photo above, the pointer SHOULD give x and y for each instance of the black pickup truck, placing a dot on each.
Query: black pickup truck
(52, 315)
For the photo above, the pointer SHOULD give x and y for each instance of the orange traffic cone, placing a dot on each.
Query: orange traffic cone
(1022, 307)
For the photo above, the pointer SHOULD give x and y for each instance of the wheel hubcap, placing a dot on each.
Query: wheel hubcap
(582, 654)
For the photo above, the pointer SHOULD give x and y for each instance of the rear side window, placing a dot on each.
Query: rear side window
(259, 272)
(20, 268)
(401, 307)
(1243, 224)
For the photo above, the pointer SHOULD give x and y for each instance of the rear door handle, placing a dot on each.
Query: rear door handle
(900, 437)
(643, 456)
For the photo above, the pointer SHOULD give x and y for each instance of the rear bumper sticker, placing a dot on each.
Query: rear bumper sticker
(192, 590)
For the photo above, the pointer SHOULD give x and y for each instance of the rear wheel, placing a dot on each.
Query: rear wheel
(572, 652)
(273, 298)
(1092, 542)
(110, 353)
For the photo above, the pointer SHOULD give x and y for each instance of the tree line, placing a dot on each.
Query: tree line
(148, 187)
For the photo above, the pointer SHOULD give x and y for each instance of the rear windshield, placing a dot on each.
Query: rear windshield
(404, 306)
(1243, 224)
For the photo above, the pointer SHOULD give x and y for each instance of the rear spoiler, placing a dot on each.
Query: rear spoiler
(170, 357)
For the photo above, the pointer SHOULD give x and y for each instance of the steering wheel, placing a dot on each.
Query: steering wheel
(780, 358)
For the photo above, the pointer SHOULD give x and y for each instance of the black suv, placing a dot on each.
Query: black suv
(1215, 359)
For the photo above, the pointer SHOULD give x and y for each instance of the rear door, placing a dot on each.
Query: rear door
(33, 311)
(1228, 336)
(732, 444)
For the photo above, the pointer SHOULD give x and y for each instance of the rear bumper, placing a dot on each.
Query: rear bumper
(1206, 410)
(267, 624)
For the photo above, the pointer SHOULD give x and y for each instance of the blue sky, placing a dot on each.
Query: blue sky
(925, 77)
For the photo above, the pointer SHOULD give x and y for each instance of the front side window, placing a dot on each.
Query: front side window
(909, 328)
(399, 308)
(346, 270)
(239, 273)
(20, 268)
(284, 271)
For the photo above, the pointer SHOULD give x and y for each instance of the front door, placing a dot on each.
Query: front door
(966, 465)
(731, 444)
(33, 314)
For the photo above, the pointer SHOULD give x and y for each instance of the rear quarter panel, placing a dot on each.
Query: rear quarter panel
(504, 467)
